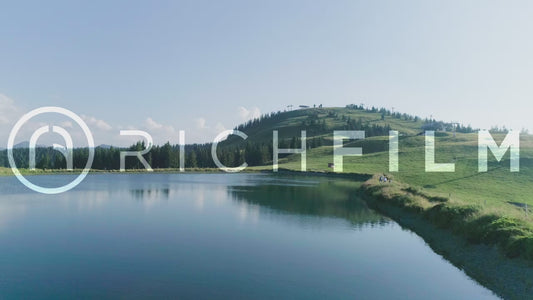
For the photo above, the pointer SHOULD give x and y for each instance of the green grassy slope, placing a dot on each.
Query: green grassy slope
(498, 186)
(290, 123)
(493, 190)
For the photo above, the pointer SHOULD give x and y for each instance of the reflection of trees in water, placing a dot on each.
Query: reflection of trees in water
(150, 193)
(327, 199)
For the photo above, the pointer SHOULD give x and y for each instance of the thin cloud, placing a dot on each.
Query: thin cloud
(151, 124)
(66, 124)
(161, 133)
(7, 109)
(248, 114)
(100, 124)
(219, 128)
(201, 123)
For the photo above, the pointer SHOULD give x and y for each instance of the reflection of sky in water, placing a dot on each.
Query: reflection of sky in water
(10, 210)
(140, 235)
(248, 213)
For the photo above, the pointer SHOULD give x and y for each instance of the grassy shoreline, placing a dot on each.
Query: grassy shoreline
(8, 172)
(494, 250)
(513, 236)
(491, 247)
(507, 278)
(258, 169)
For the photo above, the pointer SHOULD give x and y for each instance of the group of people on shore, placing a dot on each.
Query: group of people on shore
(384, 178)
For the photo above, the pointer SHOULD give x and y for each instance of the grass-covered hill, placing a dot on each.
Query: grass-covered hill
(497, 186)
(492, 204)
(319, 122)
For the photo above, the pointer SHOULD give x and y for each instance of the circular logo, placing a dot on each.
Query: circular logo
(43, 110)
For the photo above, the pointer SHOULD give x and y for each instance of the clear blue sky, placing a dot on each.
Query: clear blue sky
(203, 66)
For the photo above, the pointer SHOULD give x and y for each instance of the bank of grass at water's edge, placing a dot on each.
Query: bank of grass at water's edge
(444, 228)
(8, 172)
(473, 222)
(491, 247)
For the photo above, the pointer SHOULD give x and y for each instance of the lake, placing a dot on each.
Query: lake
(212, 236)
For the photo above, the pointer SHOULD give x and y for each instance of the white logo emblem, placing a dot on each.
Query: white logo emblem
(66, 150)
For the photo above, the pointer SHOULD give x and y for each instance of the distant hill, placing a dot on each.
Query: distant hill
(26, 144)
(105, 146)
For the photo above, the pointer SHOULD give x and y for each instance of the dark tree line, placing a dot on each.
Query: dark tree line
(428, 123)
(165, 156)
(432, 124)
(370, 129)
(159, 157)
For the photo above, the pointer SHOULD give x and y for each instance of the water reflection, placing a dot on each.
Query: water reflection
(212, 236)
(325, 198)
(249, 213)
(150, 193)
(10, 211)
(92, 200)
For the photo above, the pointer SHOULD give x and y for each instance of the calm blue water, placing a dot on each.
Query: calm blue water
(212, 236)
